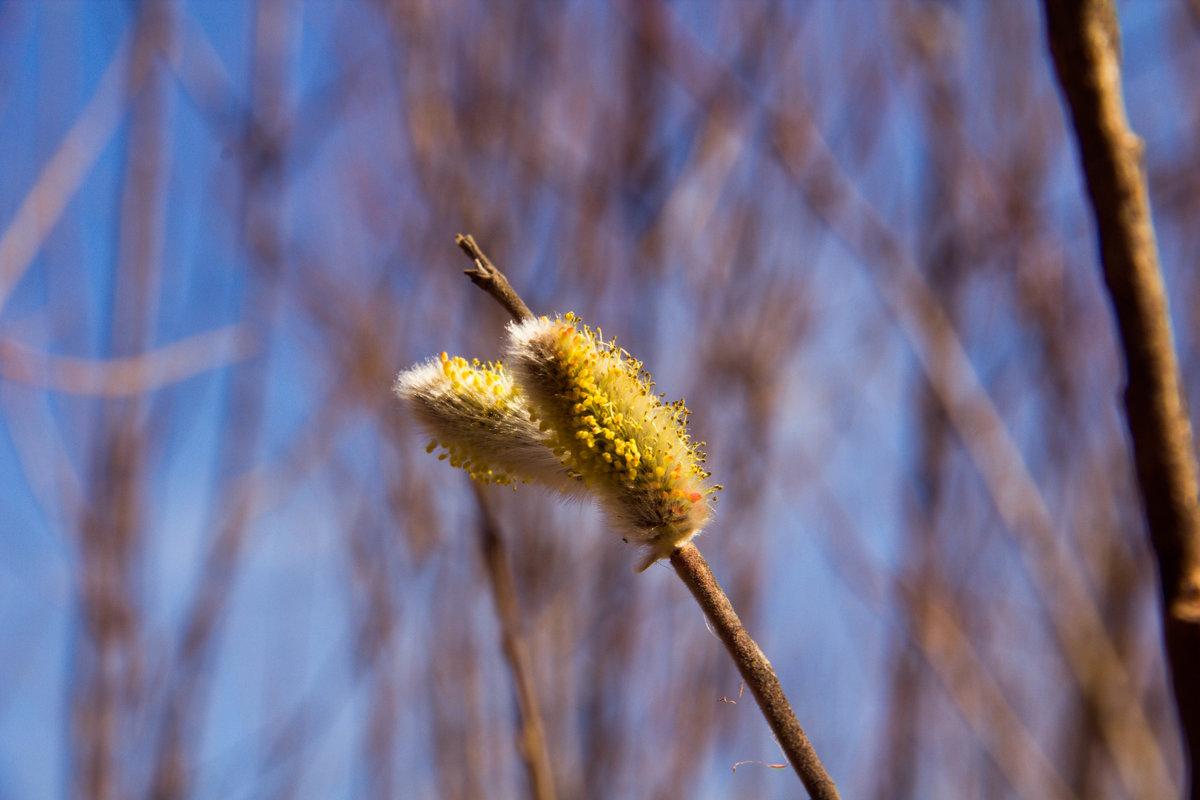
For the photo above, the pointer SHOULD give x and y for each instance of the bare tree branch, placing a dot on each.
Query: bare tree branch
(1084, 40)
(491, 280)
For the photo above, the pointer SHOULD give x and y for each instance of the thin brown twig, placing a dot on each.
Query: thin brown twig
(756, 670)
(1084, 40)
(695, 573)
(532, 741)
(491, 280)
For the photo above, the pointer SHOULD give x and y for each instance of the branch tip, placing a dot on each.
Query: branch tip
(486, 276)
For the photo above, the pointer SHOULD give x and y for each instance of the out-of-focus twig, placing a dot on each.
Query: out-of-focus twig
(695, 573)
(66, 169)
(532, 743)
(1084, 40)
(129, 376)
(109, 651)
(941, 636)
(979, 697)
(265, 147)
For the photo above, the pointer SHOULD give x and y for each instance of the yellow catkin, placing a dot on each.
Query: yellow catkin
(480, 418)
(604, 421)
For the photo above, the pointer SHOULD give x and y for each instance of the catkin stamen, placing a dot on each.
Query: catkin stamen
(594, 401)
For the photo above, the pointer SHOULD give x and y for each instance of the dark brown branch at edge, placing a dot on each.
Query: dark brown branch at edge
(1084, 40)
(756, 670)
(695, 573)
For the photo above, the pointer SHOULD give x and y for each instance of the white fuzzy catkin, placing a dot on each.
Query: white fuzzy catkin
(608, 427)
(481, 419)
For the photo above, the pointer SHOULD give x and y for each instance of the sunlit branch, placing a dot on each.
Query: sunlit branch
(1085, 42)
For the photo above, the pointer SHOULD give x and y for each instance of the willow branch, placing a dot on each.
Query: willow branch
(756, 670)
(491, 280)
(1084, 40)
(695, 573)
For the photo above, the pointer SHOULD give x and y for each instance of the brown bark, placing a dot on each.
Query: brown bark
(1084, 40)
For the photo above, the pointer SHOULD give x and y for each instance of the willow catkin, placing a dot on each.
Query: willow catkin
(596, 404)
(481, 420)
